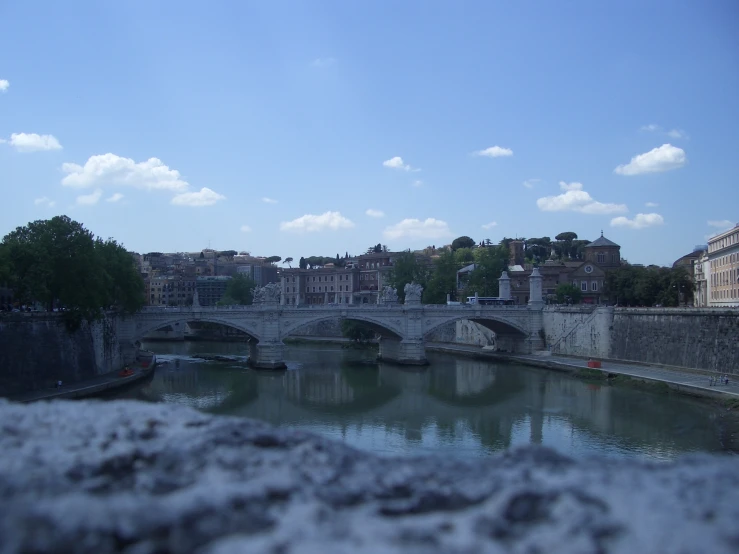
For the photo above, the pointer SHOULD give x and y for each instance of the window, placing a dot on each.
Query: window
(332, 288)
(584, 286)
(594, 286)
(601, 257)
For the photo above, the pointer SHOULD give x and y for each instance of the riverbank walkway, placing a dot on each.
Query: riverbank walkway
(87, 387)
(692, 381)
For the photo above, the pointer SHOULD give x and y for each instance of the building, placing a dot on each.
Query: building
(588, 275)
(169, 290)
(327, 285)
(723, 269)
(701, 272)
(374, 269)
(211, 289)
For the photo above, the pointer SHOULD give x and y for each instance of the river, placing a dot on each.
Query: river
(455, 406)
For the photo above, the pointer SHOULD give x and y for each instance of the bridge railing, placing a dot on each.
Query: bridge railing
(163, 310)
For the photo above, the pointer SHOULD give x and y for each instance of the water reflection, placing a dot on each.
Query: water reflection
(456, 405)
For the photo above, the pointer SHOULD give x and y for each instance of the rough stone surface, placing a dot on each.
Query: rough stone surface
(141, 478)
(578, 330)
(687, 337)
(37, 350)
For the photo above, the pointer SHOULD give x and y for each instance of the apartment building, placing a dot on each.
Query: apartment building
(723, 269)
(328, 285)
(169, 290)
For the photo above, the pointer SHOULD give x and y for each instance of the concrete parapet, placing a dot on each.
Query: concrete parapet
(176, 480)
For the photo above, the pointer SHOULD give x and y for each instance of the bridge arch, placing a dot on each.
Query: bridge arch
(382, 327)
(146, 326)
(498, 325)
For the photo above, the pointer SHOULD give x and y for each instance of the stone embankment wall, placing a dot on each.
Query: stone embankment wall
(578, 330)
(37, 350)
(705, 339)
(685, 337)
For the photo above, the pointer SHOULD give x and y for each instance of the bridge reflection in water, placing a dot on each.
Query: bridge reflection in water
(455, 405)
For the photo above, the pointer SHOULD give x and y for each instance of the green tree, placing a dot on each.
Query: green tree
(272, 259)
(483, 280)
(538, 249)
(227, 253)
(238, 291)
(567, 293)
(123, 284)
(303, 264)
(59, 262)
(406, 269)
(464, 256)
(443, 279)
(462, 242)
(288, 261)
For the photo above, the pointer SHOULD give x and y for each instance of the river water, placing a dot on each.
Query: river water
(455, 406)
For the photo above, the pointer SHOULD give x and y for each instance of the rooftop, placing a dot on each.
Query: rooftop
(601, 241)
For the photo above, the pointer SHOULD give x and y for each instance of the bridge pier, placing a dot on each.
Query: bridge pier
(267, 355)
(405, 351)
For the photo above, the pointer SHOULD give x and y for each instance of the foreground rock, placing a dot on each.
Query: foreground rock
(138, 478)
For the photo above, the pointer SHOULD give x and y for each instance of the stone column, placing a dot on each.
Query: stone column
(379, 284)
(298, 289)
(535, 292)
(504, 286)
(283, 286)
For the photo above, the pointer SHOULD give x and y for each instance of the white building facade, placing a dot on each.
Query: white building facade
(723, 269)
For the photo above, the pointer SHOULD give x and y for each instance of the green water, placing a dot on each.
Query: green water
(456, 406)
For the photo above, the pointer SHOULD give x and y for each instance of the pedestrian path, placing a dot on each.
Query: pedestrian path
(88, 387)
(693, 381)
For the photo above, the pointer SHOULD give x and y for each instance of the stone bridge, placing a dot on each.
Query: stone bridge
(401, 327)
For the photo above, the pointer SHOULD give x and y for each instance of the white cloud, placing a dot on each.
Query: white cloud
(4, 85)
(416, 229)
(529, 183)
(494, 152)
(651, 204)
(269, 200)
(490, 225)
(45, 202)
(109, 169)
(672, 133)
(31, 142)
(310, 223)
(664, 158)
(417, 183)
(375, 213)
(115, 198)
(205, 197)
(90, 199)
(721, 224)
(397, 163)
(570, 186)
(640, 221)
(245, 229)
(323, 62)
(574, 199)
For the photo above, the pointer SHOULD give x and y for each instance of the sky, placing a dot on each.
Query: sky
(316, 128)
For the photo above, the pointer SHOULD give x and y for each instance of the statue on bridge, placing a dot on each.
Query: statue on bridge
(271, 293)
(413, 293)
(389, 295)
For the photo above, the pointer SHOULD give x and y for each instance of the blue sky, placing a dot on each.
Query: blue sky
(274, 127)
